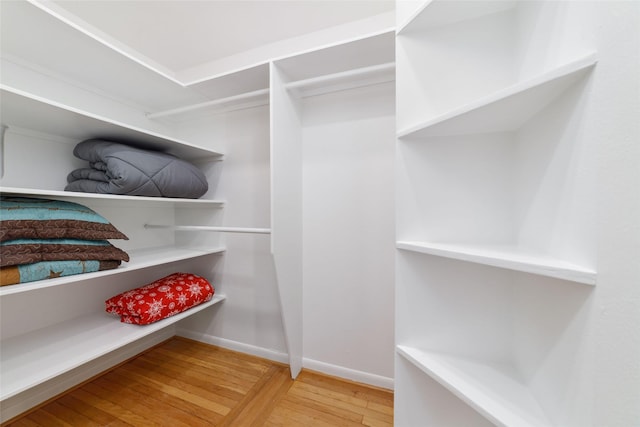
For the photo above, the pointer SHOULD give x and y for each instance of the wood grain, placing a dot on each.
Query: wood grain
(183, 383)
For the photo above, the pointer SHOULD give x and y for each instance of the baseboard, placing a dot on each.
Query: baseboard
(348, 374)
(253, 350)
(314, 365)
(16, 405)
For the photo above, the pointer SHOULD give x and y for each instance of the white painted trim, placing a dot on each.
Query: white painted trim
(253, 350)
(347, 373)
(26, 400)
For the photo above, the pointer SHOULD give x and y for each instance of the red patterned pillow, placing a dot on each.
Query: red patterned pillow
(163, 298)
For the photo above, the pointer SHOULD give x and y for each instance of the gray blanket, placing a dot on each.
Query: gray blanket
(121, 169)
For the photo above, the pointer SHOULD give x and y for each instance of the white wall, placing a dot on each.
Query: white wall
(249, 320)
(615, 131)
(348, 233)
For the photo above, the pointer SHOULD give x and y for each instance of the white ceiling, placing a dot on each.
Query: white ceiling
(180, 34)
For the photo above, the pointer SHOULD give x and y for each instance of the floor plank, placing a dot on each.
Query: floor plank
(188, 383)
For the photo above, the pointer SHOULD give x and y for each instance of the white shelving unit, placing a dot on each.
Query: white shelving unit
(495, 202)
(70, 344)
(56, 92)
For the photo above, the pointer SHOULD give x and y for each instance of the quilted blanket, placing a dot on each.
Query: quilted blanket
(27, 251)
(51, 269)
(121, 169)
(160, 299)
(34, 218)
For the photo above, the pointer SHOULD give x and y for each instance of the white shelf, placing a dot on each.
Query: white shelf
(438, 13)
(495, 391)
(350, 79)
(140, 258)
(507, 109)
(362, 53)
(512, 258)
(73, 195)
(27, 111)
(38, 356)
(230, 103)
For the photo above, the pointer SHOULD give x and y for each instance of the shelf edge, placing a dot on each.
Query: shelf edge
(73, 110)
(545, 266)
(580, 64)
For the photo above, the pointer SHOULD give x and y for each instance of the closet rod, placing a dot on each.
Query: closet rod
(358, 72)
(211, 228)
(3, 130)
(242, 96)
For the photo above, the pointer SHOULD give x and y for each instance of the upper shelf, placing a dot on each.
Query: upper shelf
(72, 195)
(43, 35)
(360, 53)
(28, 111)
(350, 79)
(437, 13)
(507, 109)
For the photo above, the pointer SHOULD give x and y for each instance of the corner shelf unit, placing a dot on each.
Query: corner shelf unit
(495, 212)
(38, 356)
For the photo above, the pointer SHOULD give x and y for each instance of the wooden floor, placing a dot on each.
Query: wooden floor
(186, 383)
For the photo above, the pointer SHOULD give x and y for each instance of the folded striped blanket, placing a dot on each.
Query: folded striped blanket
(51, 269)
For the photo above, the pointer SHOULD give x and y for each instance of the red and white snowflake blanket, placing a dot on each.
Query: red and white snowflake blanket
(163, 298)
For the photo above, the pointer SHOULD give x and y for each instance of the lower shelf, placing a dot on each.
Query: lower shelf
(141, 258)
(492, 390)
(511, 258)
(33, 358)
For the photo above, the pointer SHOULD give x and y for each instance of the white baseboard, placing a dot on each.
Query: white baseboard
(34, 396)
(347, 373)
(314, 365)
(253, 350)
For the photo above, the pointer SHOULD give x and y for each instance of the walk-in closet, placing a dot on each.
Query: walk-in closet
(436, 202)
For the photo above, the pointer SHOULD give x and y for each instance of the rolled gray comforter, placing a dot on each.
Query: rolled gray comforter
(120, 169)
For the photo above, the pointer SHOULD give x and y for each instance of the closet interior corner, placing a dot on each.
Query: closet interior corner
(433, 197)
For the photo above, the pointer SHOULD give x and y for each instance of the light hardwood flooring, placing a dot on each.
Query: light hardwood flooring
(187, 383)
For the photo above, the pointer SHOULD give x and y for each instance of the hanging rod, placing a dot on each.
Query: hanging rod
(358, 72)
(242, 96)
(210, 228)
(3, 130)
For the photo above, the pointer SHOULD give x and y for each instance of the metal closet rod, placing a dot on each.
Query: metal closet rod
(211, 228)
(214, 102)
